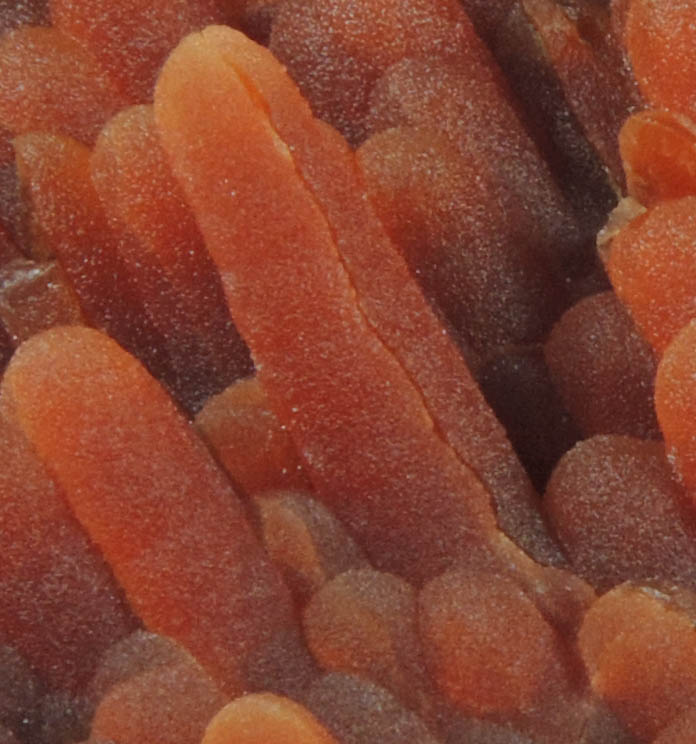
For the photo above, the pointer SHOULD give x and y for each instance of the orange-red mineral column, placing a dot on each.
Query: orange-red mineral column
(157, 505)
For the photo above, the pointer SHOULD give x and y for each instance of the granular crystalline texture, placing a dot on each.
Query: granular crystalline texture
(305, 541)
(364, 622)
(620, 514)
(603, 369)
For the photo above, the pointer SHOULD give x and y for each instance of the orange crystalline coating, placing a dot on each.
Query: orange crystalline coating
(131, 38)
(390, 300)
(658, 149)
(640, 649)
(620, 515)
(471, 626)
(364, 622)
(651, 265)
(675, 402)
(168, 523)
(51, 577)
(336, 51)
(49, 82)
(305, 541)
(452, 221)
(603, 368)
(72, 225)
(122, 286)
(547, 116)
(394, 305)
(248, 440)
(139, 193)
(171, 703)
(476, 113)
(414, 505)
(660, 38)
(265, 719)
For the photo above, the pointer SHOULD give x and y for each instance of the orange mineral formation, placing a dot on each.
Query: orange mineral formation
(438, 207)
(248, 440)
(131, 39)
(336, 51)
(639, 648)
(354, 389)
(471, 626)
(51, 576)
(35, 295)
(72, 226)
(620, 514)
(597, 87)
(603, 368)
(340, 701)
(130, 287)
(131, 174)
(658, 150)
(659, 37)
(370, 351)
(50, 82)
(170, 703)
(475, 112)
(651, 266)
(365, 622)
(680, 731)
(265, 719)
(319, 512)
(181, 547)
(306, 541)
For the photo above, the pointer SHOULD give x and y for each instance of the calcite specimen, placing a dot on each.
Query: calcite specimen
(285, 487)
(220, 597)
(365, 622)
(674, 401)
(305, 540)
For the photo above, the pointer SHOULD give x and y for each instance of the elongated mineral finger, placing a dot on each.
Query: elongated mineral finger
(154, 501)
(50, 574)
(373, 450)
(139, 193)
(49, 83)
(131, 40)
(391, 301)
(72, 225)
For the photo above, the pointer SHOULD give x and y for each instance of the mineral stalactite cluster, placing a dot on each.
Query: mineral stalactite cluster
(348, 372)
